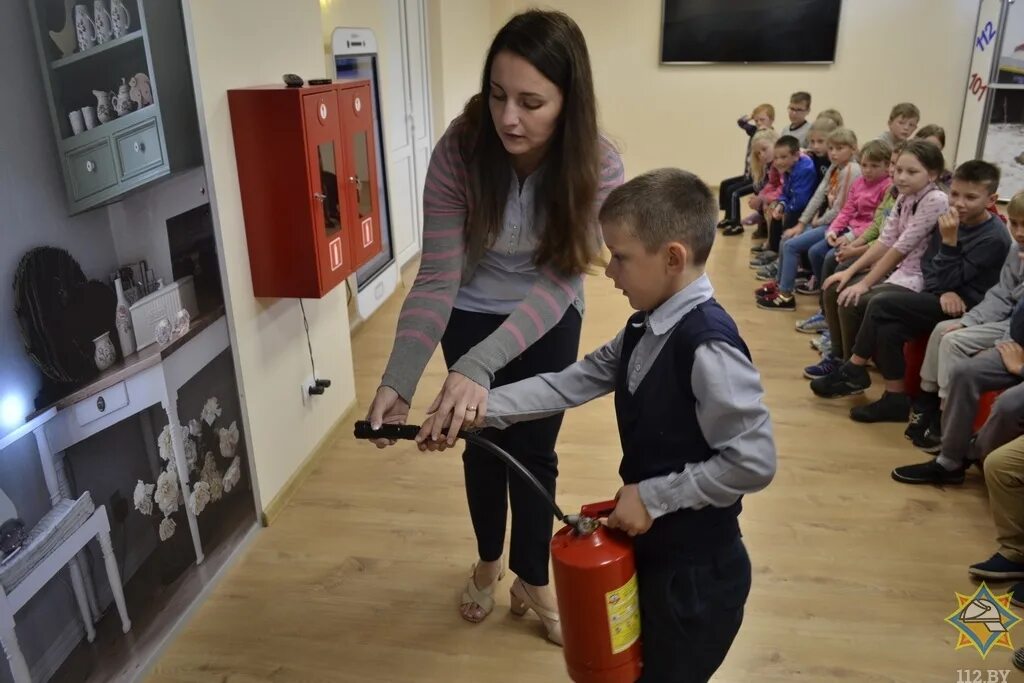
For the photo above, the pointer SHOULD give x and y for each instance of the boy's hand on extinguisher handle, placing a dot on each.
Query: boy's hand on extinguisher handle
(630, 514)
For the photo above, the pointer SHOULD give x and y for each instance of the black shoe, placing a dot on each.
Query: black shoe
(847, 380)
(761, 233)
(724, 223)
(733, 230)
(918, 424)
(891, 407)
(930, 472)
(929, 442)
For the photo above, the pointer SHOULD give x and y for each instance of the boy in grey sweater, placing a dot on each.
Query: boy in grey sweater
(953, 341)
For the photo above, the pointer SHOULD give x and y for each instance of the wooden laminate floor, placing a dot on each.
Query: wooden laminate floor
(358, 579)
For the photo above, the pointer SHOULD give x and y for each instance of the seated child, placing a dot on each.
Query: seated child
(817, 145)
(694, 430)
(762, 151)
(798, 182)
(937, 136)
(959, 266)
(978, 329)
(903, 119)
(799, 108)
(898, 250)
(731, 190)
(831, 194)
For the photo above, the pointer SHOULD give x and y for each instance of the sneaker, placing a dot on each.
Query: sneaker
(813, 325)
(810, 288)
(997, 568)
(930, 441)
(768, 272)
(824, 368)
(847, 380)
(761, 232)
(767, 288)
(891, 407)
(758, 248)
(733, 230)
(917, 424)
(930, 472)
(777, 302)
(763, 259)
(1017, 600)
(822, 341)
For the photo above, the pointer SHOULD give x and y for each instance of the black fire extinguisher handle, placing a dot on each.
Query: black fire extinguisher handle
(363, 430)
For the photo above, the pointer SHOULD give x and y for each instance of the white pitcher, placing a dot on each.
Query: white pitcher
(121, 20)
(102, 22)
(84, 28)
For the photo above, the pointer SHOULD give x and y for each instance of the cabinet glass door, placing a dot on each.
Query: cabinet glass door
(361, 162)
(327, 182)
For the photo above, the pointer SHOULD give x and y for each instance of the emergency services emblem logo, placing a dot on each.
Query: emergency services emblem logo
(983, 620)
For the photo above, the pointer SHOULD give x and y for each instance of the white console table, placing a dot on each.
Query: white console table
(150, 377)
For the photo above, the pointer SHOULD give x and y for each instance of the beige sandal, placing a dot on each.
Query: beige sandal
(481, 597)
(522, 600)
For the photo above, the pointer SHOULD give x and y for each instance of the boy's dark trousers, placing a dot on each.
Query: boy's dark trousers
(777, 227)
(691, 607)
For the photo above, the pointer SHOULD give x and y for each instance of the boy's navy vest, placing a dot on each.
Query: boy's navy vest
(659, 430)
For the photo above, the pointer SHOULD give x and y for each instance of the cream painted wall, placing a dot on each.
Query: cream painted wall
(888, 51)
(238, 43)
(460, 33)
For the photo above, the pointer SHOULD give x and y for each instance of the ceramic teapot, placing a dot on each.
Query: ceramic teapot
(104, 109)
(123, 103)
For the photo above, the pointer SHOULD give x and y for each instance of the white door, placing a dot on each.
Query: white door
(407, 122)
(419, 93)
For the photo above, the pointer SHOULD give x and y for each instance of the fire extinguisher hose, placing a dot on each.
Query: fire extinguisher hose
(582, 524)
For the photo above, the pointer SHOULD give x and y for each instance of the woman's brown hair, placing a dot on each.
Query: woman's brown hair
(554, 45)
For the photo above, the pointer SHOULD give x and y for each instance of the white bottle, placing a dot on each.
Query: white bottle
(123, 320)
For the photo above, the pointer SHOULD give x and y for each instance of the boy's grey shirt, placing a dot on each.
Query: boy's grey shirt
(999, 301)
(730, 408)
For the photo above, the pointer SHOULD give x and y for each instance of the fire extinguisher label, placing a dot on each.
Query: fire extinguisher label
(623, 615)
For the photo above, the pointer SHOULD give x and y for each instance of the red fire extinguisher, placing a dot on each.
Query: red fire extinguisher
(595, 578)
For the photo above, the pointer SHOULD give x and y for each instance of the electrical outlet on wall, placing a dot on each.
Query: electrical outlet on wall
(307, 399)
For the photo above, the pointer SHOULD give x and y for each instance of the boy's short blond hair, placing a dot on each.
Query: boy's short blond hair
(831, 115)
(822, 126)
(766, 108)
(907, 110)
(1015, 209)
(878, 151)
(665, 205)
(843, 136)
(801, 97)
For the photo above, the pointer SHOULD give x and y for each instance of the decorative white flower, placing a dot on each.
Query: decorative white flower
(200, 497)
(211, 411)
(212, 477)
(232, 475)
(167, 492)
(228, 440)
(191, 453)
(143, 497)
(195, 428)
(167, 527)
(164, 444)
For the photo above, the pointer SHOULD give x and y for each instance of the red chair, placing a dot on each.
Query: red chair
(984, 408)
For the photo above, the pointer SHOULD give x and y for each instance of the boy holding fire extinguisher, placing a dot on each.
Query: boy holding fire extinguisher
(695, 433)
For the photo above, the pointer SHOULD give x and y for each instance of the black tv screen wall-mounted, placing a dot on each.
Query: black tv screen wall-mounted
(749, 31)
